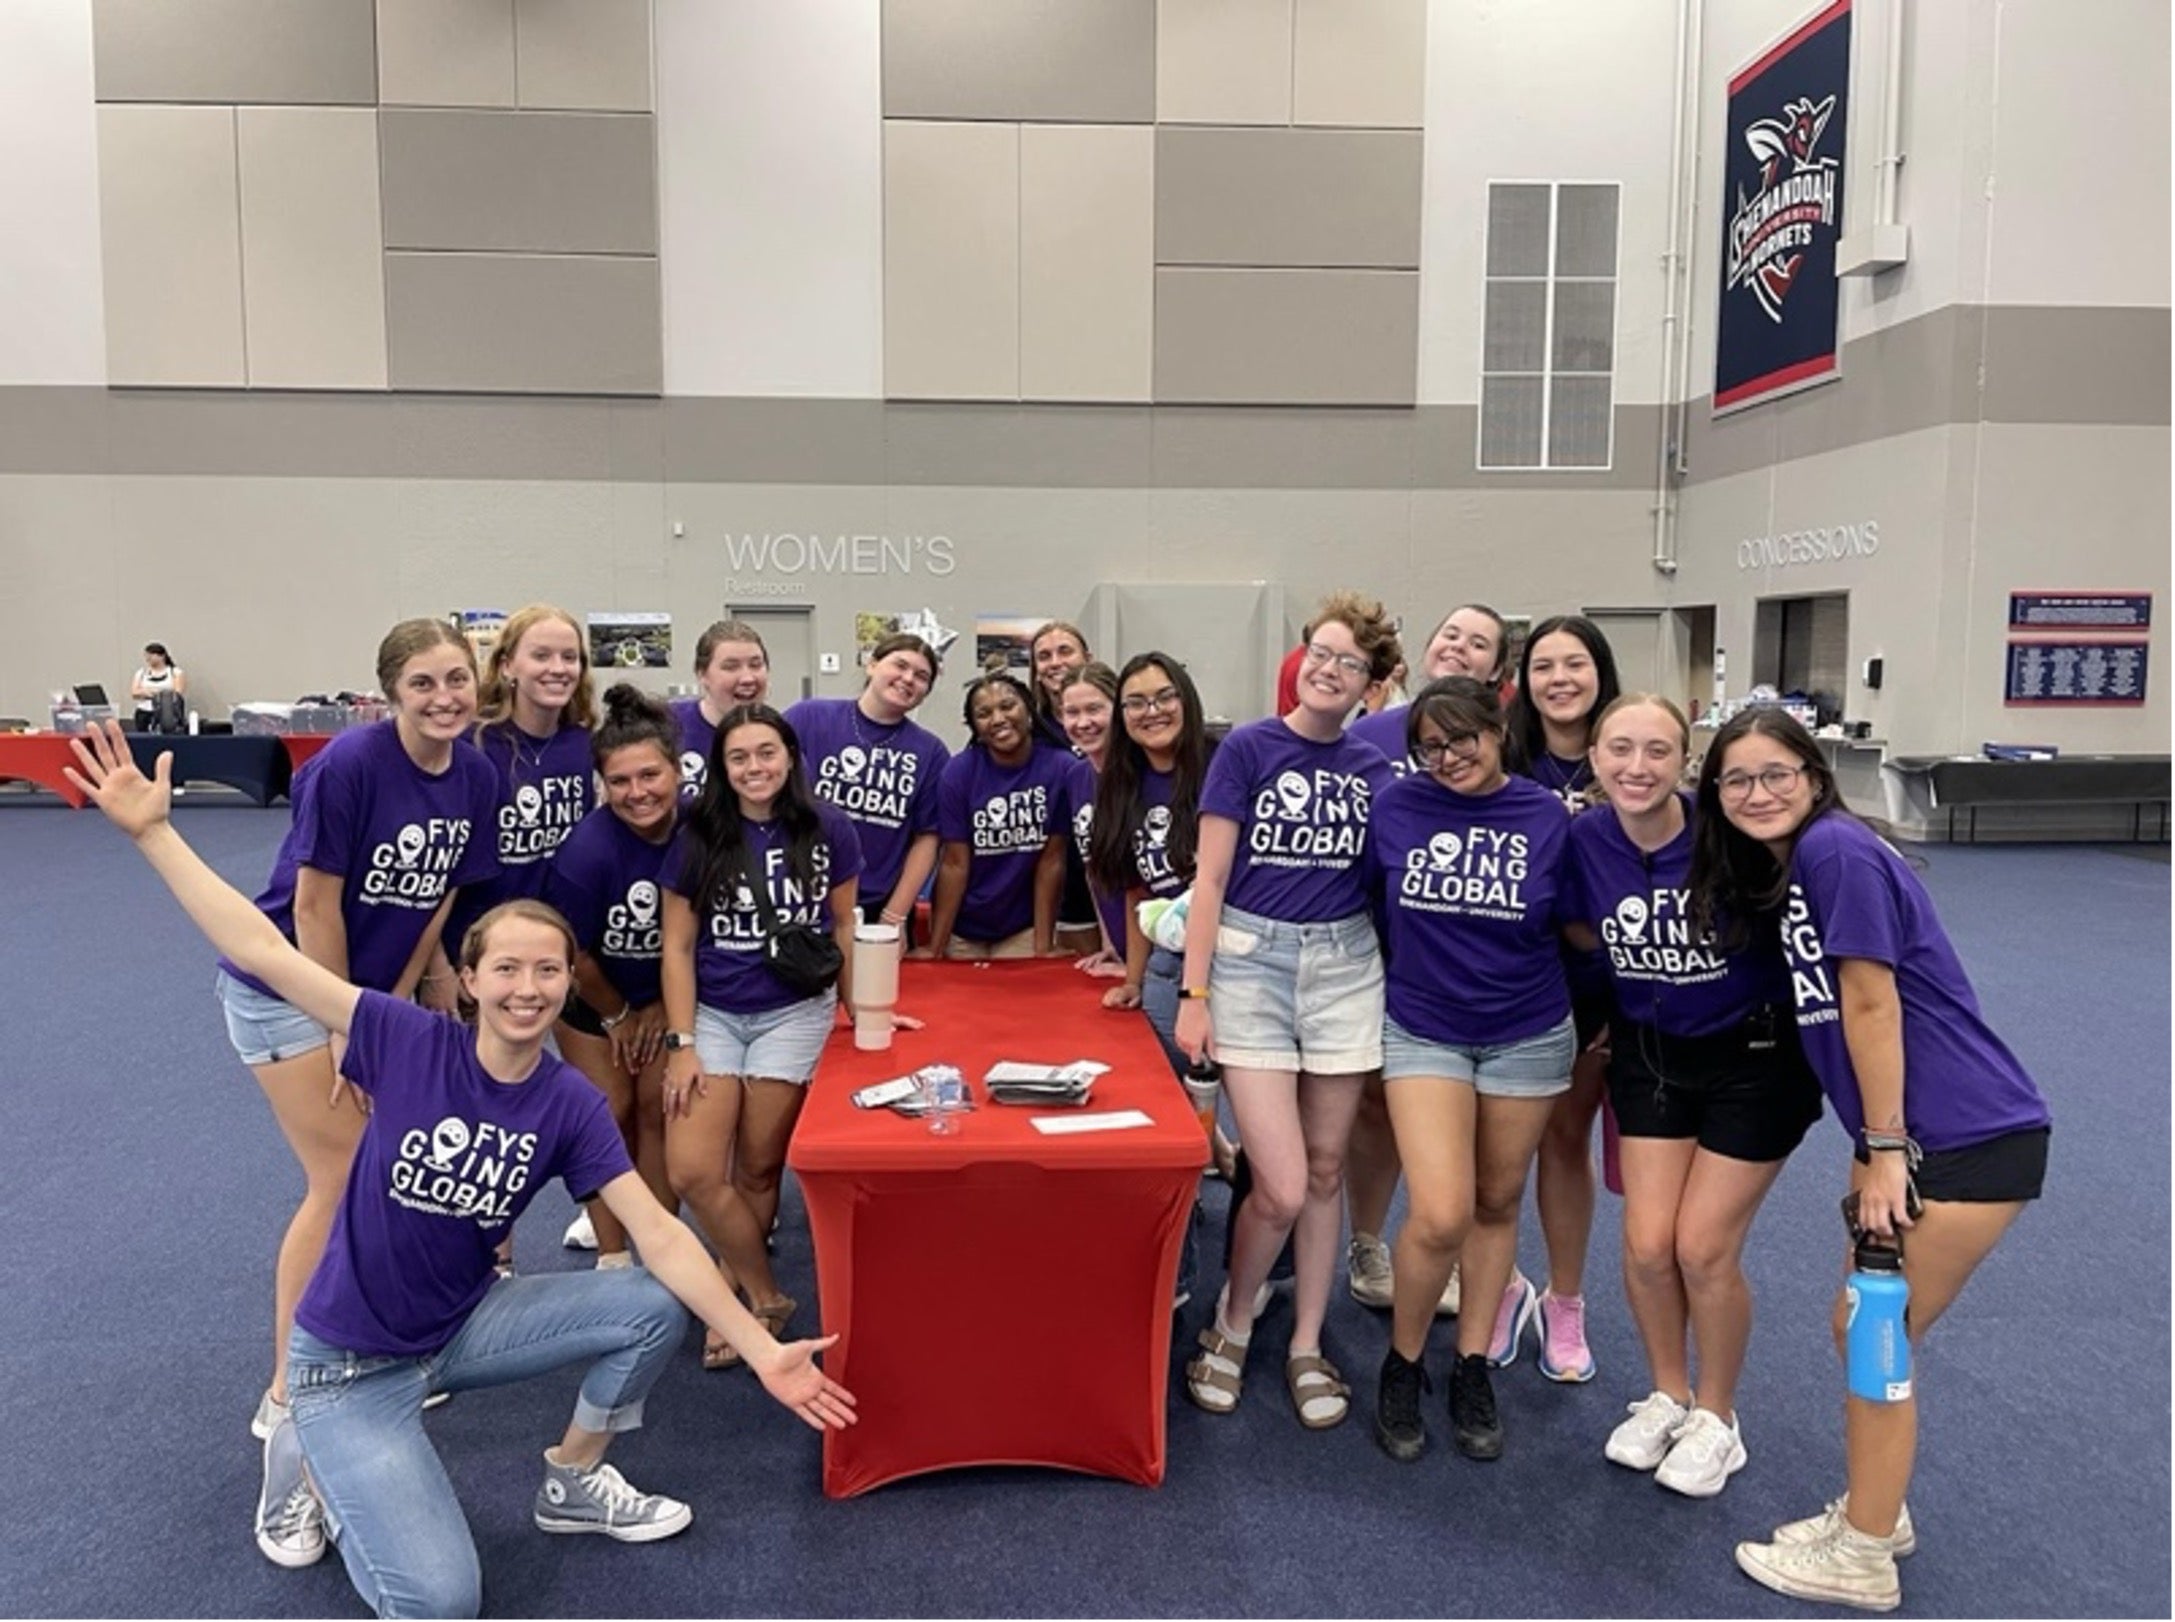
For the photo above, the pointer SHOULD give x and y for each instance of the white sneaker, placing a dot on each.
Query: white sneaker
(290, 1521)
(1368, 1265)
(1643, 1441)
(1904, 1542)
(1708, 1451)
(1447, 1307)
(1844, 1567)
(581, 1233)
(270, 1411)
(613, 1260)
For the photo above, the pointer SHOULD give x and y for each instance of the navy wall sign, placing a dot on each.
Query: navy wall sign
(2080, 610)
(2076, 673)
(1782, 209)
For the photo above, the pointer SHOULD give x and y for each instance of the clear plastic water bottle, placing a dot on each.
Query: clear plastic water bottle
(1878, 1342)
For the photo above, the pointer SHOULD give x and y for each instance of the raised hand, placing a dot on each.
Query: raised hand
(131, 801)
(822, 1403)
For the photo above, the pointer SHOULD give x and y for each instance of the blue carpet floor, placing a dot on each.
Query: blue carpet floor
(145, 1188)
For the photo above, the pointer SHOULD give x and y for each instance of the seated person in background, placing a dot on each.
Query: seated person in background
(161, 691)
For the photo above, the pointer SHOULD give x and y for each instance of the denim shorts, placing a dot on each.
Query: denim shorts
(1531, 1067)
(778, 1044)
(1293, 997)
(263, 1029)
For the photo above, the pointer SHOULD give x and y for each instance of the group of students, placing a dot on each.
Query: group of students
(1412, 945)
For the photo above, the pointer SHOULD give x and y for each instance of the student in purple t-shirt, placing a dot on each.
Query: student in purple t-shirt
(465, 1126)
(758, 853)
(1709, 1086)
(870, 760)
(732, 667)
(1087, 708)
(1464, 867)
(1566, 677)
(1472, 640)
(1055, 651)
(1939, 1107)
(390, 821)
(1002, 812)
(1278, 935)
(608, 881)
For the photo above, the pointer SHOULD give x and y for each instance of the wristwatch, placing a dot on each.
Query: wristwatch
(676, 1040)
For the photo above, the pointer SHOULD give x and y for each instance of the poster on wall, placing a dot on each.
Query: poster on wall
(1782, 210)
(2080, 610)
(481, 626)
(2075, 673)
(619, 640)
(870, 629)
(1000, 642)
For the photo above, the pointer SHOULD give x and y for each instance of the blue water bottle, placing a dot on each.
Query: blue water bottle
(1879, 1343)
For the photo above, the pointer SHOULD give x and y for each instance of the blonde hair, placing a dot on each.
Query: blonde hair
(495, 699)
(1667, 706)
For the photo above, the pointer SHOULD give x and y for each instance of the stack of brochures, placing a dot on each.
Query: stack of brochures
(1043, 1085)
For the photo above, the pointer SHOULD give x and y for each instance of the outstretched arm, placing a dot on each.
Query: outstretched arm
(139, 807)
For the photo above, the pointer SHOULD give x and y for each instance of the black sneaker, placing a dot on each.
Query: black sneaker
(1474, 1425)
(1397, 1424)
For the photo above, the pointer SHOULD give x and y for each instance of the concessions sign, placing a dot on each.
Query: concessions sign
(1782, 210)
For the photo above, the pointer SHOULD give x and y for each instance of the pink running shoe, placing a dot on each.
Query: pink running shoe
(1564, 1353)
(1511, 1317)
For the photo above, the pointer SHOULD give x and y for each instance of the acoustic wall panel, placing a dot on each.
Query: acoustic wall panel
(446, 53)
(1287, 197)
(1293, 337)
(287, 51)
(1054, 61)
(313, 263)
(171, 230)
(584, 53)
(951, 261)
(1087, 261)
(1223, 61)
(1359, 62)
(523, 323)
(535, 182)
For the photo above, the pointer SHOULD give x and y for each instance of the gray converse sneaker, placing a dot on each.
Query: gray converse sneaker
(599, 1500)
(1904, 1542)
(1368, 1266)
(1843, 1567)
(290, 1521)
(270, 1411)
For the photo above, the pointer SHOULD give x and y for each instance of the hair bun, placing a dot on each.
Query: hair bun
(624, 698)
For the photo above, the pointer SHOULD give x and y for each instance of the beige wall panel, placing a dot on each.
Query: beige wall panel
(1359, 62)
(519, 182)
(172, 235)
(1287, 197)
(1285, 337)
(951, 261)
(60, 619)
(446, 53)
(307, 51)
(1223, 61)
(1056, 61)
(584, 53)
(313, 265)
(523, 323)
(1087, 261)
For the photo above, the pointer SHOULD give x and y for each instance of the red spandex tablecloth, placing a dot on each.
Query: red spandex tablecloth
(37, 757)
(1000, 1296)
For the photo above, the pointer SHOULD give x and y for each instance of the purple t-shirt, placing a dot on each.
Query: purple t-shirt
(544, 791)
(1385, 729)
(1664, 975)
(1152, 838)
(608, 881)
(1851, 896)
(883, 777)
(1467, 887)
(732, 973)
(1301, 808)
(449, 1159)
(1109, 909)
(398, 837)
(696, 736)
(1003, 815)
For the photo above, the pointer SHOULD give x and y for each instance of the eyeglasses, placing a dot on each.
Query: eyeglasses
(1350, 664)
(1777, 780)
(1431, 751)
(1147, 703)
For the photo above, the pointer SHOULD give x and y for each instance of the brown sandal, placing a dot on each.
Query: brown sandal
(1213, 1378)
(1315, 1379)
(776, 1316)
(718, 1354)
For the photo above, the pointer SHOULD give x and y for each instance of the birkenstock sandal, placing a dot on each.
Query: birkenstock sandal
(1316, 1384)
(718, 1354)
(1213, 1377)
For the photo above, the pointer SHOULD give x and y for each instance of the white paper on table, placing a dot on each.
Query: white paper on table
(1111, 1121)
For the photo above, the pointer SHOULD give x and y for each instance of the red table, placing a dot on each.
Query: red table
(301, 746)
(37, 757)
(1000, 1296)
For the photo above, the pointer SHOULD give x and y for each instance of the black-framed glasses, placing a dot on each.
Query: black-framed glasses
(1350, 663)
(1777, 780)
(1147, 703)
(1432, 751)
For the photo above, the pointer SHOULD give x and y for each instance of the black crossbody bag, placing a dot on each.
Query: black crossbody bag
(804, 957)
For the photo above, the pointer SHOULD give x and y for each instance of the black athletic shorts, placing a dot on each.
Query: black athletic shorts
(1591, 1013)
(1745, 1093)
(2010, 1167)
(582, 1017)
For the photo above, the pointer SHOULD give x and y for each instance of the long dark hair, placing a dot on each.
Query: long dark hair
(1527, 731)
(998, 678)
(1735, 878)
(718, 850)
(1456, 704)
(1121, 804)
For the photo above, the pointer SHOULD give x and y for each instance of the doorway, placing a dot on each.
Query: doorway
(789, 639)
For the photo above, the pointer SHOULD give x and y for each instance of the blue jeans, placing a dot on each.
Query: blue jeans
(1159, 1001)
(388, 1500)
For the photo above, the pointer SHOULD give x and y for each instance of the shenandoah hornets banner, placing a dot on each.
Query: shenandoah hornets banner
(1782, 210)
